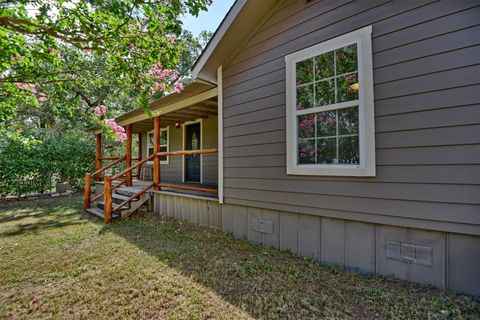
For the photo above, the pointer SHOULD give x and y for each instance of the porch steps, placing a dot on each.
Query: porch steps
(100, 213)
(126, 191)
(119, 195)
(101, 204)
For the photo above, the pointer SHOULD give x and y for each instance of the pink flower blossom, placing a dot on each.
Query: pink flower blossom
(158, 87)
(26, 86)
(32, 88)
(42, 97)
(121, 136)
(59, 56)
(100, 110)
(10, 314)
(16, 58)
(21, 86)
(175, 74)
(112, 124)
(118, 130)
(132, 46)
(34, 299)
(179, 87)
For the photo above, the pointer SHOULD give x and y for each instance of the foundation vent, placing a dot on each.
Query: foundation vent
(409, 252)
(263, 226)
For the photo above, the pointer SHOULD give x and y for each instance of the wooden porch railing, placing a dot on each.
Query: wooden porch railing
(88, 180)
(108, 188)
(108, 179)
(120, 176)
(138, 194)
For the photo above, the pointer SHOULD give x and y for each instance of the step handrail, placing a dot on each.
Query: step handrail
(98, 196)
(139, 163)
(87, 201)
(108, 166)
(138, 194)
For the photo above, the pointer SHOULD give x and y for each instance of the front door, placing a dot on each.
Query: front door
(192, 162)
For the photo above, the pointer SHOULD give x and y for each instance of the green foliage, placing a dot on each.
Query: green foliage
(60, 43)
(35, 163)
(76, 55)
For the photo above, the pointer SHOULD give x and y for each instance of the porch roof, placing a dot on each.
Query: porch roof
(197, 100)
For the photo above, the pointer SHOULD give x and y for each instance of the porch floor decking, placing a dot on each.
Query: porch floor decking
(139, 184)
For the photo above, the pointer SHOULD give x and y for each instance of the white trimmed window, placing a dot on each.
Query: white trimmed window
(330, 112)
(164, 142)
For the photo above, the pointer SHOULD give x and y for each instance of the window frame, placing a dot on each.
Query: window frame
(167, 130)
(366, 167)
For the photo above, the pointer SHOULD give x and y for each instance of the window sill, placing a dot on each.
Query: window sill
(332, 170)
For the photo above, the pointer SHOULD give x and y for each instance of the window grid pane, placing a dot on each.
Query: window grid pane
(329, 78)
(329, 137)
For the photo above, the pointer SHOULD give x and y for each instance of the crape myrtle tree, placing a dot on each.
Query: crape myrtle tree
(71, 57)
(69, 65)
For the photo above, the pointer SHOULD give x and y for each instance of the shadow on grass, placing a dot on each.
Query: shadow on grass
(39, 226)
(19, 217)
(38, 216)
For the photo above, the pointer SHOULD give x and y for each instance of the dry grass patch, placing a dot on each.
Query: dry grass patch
(56, 262)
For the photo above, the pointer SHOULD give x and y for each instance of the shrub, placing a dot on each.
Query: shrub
(36, 162)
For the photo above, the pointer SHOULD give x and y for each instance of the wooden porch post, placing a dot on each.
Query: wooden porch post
(86, 198)
(107, 198)
(140, 151)
(98, 154)
(156, 149)
(128, 154)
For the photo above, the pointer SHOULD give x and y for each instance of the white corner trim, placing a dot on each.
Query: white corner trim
(220, 133)
(212, 44)
(366, 167)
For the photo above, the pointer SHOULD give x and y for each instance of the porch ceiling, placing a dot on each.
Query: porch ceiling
(203, 109)
(198, 100)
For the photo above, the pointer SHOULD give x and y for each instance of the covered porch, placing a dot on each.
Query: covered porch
(177, 152)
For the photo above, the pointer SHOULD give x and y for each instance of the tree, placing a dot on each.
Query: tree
(62, 49)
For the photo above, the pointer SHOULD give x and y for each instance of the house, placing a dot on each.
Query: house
(343, 131)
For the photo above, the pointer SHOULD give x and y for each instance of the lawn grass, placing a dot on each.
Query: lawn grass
(56, 262)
